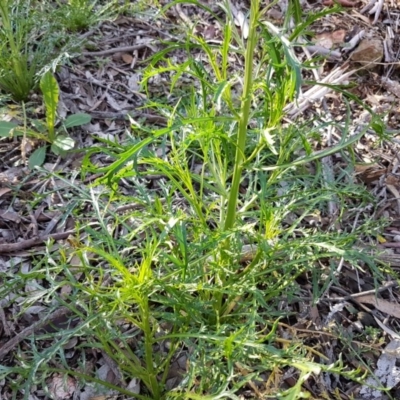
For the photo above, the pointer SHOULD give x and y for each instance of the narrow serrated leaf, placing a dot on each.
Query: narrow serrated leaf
(49, 88)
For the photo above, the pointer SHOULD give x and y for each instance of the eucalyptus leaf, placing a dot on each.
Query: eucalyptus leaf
(5, 128)
(36, 159)
(77, 120)
(62, 143)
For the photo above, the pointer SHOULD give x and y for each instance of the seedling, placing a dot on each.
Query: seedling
(55, 136)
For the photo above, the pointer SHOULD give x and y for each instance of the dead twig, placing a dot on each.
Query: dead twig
(332, 55)
(377, 9)
(183, 16)
(26, 244)
(97, 83)
(156, 119)
(123, 49)
(7, 347)
(6, 329)
(354, 296)
(316, 93)
(391, 244)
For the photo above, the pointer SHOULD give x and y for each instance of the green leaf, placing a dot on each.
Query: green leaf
(36, 159)
(62, 143)
(270, 140)
(39, 126)
(296, 13)
(219, 92)
(56, 150)
(125, 157)
(345, 142)
(77, 120)
(378, 126)
(49, 88)
(5, 128)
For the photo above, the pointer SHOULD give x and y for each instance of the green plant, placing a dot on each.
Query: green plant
(193, 270)
(24, 48)
(59, 141)
(158, 302)
(226, 255)
(77, 15)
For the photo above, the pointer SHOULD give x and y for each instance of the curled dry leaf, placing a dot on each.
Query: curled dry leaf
(369, 173)
(385, 306)
(328, 39)
(4, 191)
(62, 387)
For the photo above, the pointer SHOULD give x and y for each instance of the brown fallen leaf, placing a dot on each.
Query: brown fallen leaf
(328, 39)
(10, 215)
(385, 306)
(3, 191)
(127, 58)
(62, 387)
(368, 53)
(368, 173)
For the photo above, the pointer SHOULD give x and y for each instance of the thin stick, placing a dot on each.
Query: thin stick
(6, 348)
(26, 244)
(124, 49)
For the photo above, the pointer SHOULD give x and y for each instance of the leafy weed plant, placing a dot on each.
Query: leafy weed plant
(59, 141)
(160, 306)
(191, 272)
(223, 300)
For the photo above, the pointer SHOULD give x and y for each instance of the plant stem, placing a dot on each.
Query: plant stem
(230, 217)
(148, 349)
(244, 117)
